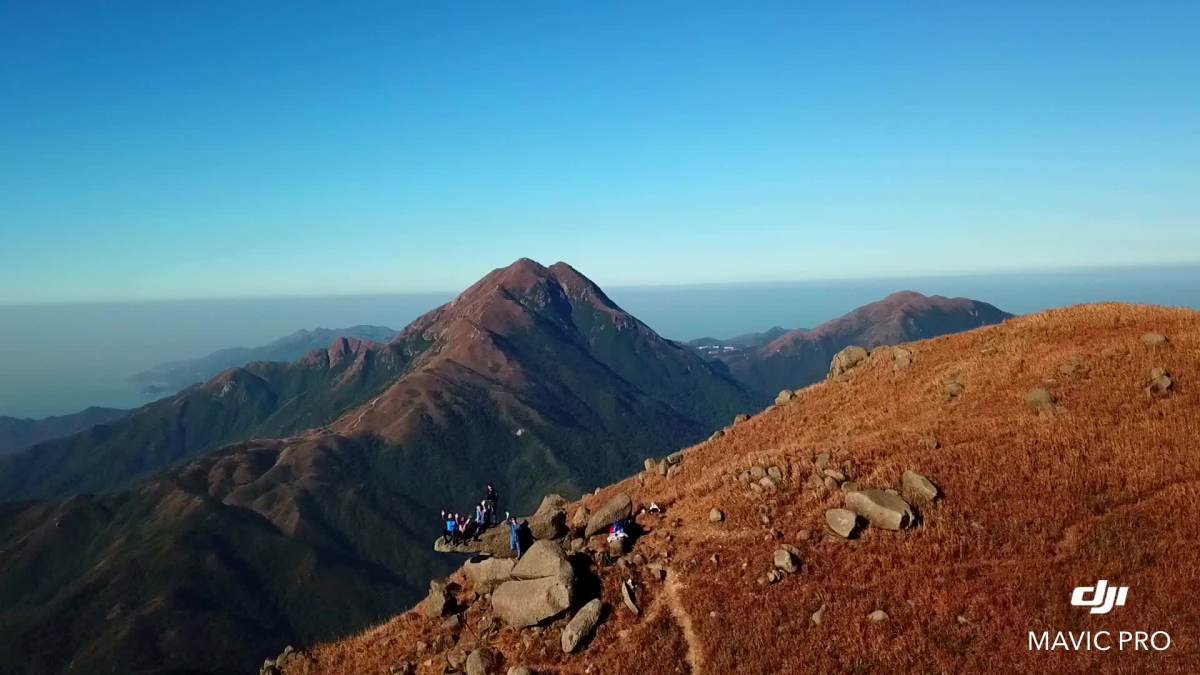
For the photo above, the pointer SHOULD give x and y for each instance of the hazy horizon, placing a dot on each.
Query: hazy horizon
(58, 359)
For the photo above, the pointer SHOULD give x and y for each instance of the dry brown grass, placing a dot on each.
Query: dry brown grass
(1106, 484)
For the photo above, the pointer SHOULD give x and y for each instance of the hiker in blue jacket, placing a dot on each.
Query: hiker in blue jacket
(451, 528)
(514, 535)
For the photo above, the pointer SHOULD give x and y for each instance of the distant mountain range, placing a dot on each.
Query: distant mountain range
(17, 434)
(215, 555)
(787, 359)
(169, 378)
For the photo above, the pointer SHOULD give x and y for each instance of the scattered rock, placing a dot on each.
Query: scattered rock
(785, 560)
(1154, 339)
(488, 573)
(834, 474)
(830, 483)
(849, 486)
(784, 396)
(716, 434)
(841, 521)
(821, 460)
(881, 508)
(581, 625)
(901, 358)
(775, 473)
(664, 469)
(403, 668)
(818, 615)
(877, 616)
(1160, 382)
(716, 516)
(578, 544)
(952, 389)
(929, 443)
(767, 484)
(649, 464)
(628, 594)
(617, 508)
(439, 602)
(757, 472)
(742, 417)
(845, 360)
(1040, 398)
(917, 488)
(480, 661)
(451, 623)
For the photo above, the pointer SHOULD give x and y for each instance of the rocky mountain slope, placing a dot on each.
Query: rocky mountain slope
(16, 433)
(1027, 459)
(800, 357)
(532, 379)
(170, 378)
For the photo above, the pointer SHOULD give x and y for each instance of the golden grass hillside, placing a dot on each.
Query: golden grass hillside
(1101, 483)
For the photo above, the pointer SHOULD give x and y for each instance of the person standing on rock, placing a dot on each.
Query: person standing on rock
(451, 527)
(514, 535)
(491, 499)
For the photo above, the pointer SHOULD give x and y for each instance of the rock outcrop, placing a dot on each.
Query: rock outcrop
(617, 508)
(845, 360)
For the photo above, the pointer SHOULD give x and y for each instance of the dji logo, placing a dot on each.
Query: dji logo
(1100, 598)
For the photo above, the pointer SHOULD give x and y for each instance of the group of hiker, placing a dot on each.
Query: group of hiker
(458, 528)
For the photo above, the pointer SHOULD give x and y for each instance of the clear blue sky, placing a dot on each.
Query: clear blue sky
(219, 149)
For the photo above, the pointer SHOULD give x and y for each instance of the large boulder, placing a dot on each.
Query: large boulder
(488, 573)
(617, 508)
(880, 508)
(581, 625)
(543, 559)
(528, 602)
(550, 522)
(846, 359)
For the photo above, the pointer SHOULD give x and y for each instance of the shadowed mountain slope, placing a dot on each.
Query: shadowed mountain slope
(1063, 448)
(16, 434)
(261, 399)
(532, 379)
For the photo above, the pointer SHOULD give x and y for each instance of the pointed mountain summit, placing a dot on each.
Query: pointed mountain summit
(532, 379)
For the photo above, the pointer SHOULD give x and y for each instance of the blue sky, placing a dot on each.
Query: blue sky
(230, 149)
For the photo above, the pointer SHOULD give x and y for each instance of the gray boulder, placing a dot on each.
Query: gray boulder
(785, 396)
(845, 360)
(619, 507)
(785, 560)
(550, 519)
(841, 521)
(880, 508)
(522, 603)
(543, 559)
(581, 625)
(488, 573)
(917, 488)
